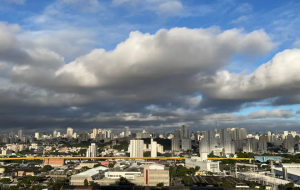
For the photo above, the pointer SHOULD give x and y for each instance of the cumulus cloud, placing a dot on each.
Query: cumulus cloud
(147, 80)
(277, 113)
(278, 77)
(143, 58)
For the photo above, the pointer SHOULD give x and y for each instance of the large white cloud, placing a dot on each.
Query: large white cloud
(278, 77)
(179, 52)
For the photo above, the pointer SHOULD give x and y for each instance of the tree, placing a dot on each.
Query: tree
(197, 168)
(172, 172)
(226, 184)
(289, 186)
(4, 180)
(251, 185)
(209, 173)
(160, 184)
(92, 183)
(85, 168)
(86, 183)
(124, 181)
(47, 167)
(147, 154)
(187, 180)
(111, 165)
(97, 165)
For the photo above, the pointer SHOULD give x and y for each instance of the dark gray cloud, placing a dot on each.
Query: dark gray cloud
(158, 81)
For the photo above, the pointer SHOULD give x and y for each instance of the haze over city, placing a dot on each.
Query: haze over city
(150, 65)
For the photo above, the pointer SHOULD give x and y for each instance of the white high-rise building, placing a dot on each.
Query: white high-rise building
(37, 135)
(290, 143)
(238, 133)
(69, 133)
(54, 134)
(58, 134)
(136, 148)
(160, 148)
(208, 142)
(95, 132)
(20, 134)
(226, 141)
(92, 150)
(186, 144)
(184, 132)
(175, 144)
(126, 131)
(153, 148)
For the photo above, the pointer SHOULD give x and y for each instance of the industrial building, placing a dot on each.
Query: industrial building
(90, 175)
(288, 171)
(203, 163)
(148, 175)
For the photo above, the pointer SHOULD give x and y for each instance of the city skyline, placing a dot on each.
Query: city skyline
(149, 65)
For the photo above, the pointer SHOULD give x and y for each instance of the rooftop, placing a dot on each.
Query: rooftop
(93, 171)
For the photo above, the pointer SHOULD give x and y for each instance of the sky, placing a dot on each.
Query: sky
(151, 65)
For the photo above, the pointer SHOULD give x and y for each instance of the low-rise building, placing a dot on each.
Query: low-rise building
(90, 175)
(205, 165)
(156, 173)
(54, 162)
(126, 174)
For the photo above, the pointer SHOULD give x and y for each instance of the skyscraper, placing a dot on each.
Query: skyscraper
(208, 142)
(69, 132)
(175, 144)
(95, 132)
(185, 144)
(238, 133)
(37, 136)
(126, 131)
(92, 150)
(226, 141)
(184, 132)
(177, 133)
(153, 148)
(55, 134)
(136, 148)
(20, 134)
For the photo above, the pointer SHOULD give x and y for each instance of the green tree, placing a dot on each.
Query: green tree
(124, 181)
(262, 187)
(86, 183)
(111, 165)
(160, 185)
(97, 165)
(4, 180)
(251, 185)
(289, 186)
(47, 167)
(85, 168)
(187, 180)
(226, 184)
(172, 172)
(197, 168)
(147, 154)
